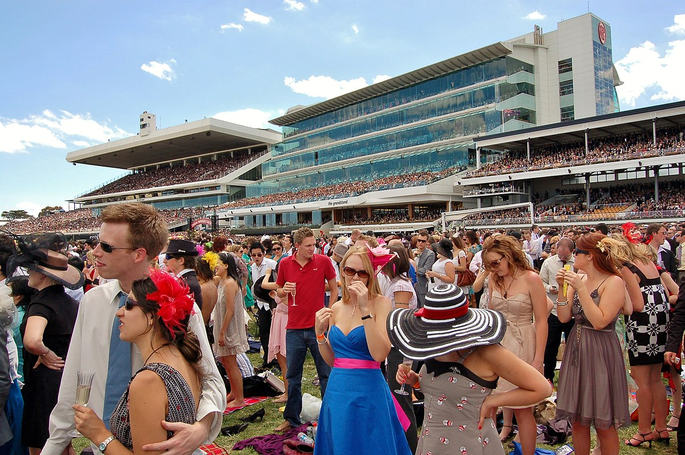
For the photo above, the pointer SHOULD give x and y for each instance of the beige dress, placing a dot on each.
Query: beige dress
(520, 336)
(236, 335)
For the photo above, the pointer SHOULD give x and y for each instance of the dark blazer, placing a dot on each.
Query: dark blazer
(677, 325)
(194, 285)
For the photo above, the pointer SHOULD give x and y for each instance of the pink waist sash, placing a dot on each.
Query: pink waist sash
(360, 364)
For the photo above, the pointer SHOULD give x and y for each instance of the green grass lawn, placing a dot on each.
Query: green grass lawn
(273, 418)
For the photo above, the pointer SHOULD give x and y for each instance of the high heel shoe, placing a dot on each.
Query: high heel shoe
(629, 442)
(233, 429)
(253, 417)
(673, 423)
(662, 436)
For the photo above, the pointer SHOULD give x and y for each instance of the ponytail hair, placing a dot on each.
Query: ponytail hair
(189, 345)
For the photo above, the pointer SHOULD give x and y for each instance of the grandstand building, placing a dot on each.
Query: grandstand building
(397, 149)
(197, 164)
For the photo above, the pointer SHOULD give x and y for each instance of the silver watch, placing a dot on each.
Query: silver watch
(103, 445)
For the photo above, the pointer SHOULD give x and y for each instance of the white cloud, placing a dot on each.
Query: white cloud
(314, 1)
(293, 5)
(380, 78)
(355, 29)
(231, 25)
(678, 26)
(251, 16)
(51, 130)
(326, 86)
(254, 118)
(645, 71)
(162, 70)
(31, 207)
(535, 16)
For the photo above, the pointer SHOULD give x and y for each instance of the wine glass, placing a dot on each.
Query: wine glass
(83, 385)
(401, 390)
(293, 292)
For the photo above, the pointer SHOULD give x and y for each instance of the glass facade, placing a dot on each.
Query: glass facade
(469, 76)
(604, 67)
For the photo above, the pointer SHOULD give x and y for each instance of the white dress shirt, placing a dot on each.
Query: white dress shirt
(257, 273)
(89, 350)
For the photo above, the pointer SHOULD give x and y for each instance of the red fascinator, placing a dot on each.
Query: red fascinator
(172, 296)
(628, 233)
(379, 256)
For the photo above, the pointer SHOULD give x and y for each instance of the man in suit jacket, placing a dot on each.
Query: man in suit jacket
(180, 260)
(424, 262)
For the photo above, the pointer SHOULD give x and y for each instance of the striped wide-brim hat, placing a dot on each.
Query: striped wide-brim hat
(444, 324)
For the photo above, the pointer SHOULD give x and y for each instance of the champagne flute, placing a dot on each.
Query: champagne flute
(293, 292)
(83, 385)
(401, 390)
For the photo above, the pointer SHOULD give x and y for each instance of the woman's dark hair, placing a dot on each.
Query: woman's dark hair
(219, 243)
(399, 265)
(20, 287)
(472, 237)
(232, 271)
(203, 270)
(189, 262)
(182, 337)
(7, 249)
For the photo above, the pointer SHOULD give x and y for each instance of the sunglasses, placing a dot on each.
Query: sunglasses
(171, 256)
(495, 264)
(257, 255)
(107, 248)
(130, 304)
(421, 241)
(276, 249)
(363, 274)
(578, 251)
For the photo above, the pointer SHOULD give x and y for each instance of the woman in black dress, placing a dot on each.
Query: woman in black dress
(46, 330)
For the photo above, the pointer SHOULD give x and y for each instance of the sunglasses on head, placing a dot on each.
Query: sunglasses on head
(578, 251)
(107, 248)
(349, 271)
(130, 304)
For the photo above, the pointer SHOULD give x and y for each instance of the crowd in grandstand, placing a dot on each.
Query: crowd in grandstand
(614, 149)
(188, 172)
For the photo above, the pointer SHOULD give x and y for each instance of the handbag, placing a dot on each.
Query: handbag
(465, 278)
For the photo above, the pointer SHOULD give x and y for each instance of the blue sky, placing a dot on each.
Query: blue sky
(77, 73)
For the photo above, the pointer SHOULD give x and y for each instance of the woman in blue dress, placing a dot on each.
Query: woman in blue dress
(357, 342)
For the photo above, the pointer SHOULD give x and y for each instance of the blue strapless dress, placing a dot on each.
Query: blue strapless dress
(358, 415)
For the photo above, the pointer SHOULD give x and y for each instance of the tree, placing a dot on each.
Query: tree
(15, 214)
(49, 210)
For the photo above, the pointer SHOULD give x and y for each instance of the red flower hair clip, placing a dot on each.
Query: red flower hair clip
(173, 298)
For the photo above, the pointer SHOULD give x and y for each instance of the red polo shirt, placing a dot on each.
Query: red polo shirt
(310, 281)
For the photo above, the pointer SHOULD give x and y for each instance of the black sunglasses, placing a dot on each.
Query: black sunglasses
(130, 304)
(171, 256)
(578, 251)
(258, 255)
(349, 271)
(107, 248)
(277, 249)
(421, 241)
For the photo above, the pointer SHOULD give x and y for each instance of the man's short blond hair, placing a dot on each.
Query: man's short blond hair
(146, 226)
(302, 234)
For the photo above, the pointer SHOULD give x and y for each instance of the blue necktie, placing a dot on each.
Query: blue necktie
(118, 369)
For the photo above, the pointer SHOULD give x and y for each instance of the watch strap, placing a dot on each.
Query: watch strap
(368, 316)
(103, 445)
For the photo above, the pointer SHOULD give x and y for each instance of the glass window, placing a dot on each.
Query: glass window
(567, 113)
(566, 87)
(565, 65)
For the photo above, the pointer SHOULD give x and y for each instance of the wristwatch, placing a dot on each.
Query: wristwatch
(103, 445)
(368, 316)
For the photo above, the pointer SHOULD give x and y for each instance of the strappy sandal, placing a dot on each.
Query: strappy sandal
(506, 436)
(629, 442)
(673, 423)
(660, 438)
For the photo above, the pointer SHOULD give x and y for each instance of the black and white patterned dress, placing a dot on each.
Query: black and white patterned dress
(647, 330)
(180, 397)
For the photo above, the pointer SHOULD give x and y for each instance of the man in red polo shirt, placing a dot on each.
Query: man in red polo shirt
(303, 274)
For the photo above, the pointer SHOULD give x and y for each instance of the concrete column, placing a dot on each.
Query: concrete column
(368, 212)
(656, 184)
(654, 131)
(410, 211)
(477, 157)
(587, 191)
(528, 149)
(478, 202)
(587, 148)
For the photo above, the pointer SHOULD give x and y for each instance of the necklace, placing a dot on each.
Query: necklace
(155, 350)
(506, 290)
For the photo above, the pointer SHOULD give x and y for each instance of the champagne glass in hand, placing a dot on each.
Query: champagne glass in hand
(84, 382)
(293, 290)
(401, 390)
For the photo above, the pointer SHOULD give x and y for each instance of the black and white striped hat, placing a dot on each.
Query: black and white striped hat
(444, 324)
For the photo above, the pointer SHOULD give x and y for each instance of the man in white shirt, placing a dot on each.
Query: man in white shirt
(131, 235)
(548, 274)
(260, 264)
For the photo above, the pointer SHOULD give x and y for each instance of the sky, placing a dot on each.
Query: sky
(79, 73)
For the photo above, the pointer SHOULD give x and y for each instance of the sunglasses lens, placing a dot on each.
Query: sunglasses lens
(106, 247)
(130, 304)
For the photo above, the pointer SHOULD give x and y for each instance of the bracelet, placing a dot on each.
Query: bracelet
(417, 385)
(562, 302)
(319, 342)
(320, 337)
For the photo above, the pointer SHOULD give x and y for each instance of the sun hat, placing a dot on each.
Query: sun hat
(444, 247)
(340, 249)
(41, 252)
(444, 324)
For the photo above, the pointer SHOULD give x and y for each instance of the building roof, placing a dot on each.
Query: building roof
(438, 69)
(177, 142)
(618, 123)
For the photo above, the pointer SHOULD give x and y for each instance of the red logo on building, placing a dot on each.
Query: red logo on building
(602, 32)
